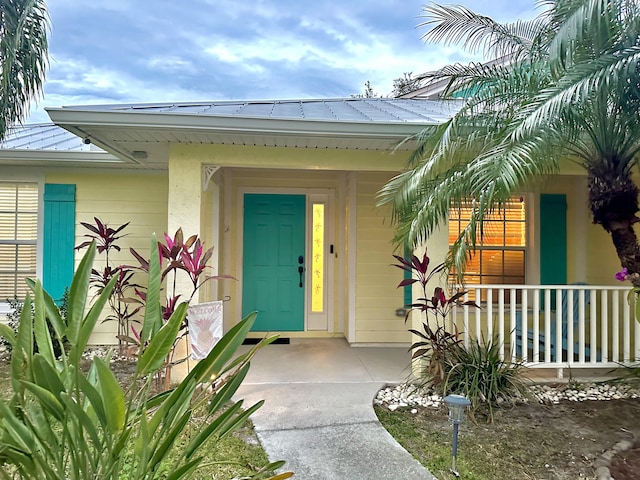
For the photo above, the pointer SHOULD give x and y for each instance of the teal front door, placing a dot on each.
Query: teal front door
(274, 261)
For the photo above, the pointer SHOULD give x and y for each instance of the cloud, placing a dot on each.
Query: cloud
(171, 64)
(163, 50)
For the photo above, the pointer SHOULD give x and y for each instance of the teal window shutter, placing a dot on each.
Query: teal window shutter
(58, 238)
(553, 240)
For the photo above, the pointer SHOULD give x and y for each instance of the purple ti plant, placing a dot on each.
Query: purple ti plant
(123, 310)
(178, 254)
(435, 341)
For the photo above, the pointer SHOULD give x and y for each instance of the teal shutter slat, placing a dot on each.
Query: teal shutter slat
(58, 238)
(553, 240)
(408, 294)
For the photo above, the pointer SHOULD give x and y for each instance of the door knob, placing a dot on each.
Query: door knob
(300, 271)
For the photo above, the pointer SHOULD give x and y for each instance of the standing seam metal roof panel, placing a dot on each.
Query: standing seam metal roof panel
(366, 110)
(43, 137)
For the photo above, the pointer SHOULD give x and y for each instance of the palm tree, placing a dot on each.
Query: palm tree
(23, 57)
(565, 86)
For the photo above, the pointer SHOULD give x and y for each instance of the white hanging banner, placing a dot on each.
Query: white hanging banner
(205, 327)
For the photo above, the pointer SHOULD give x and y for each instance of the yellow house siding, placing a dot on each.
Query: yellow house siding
(291, 158)
(273, 179)
(603, 261)
(377, 297)
(117, 199)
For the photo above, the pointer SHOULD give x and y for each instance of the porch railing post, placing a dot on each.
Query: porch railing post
(501, 321)
(512, 323)
(536, 325)
(581, 325)
(547, 324)
(615, 323)
(604, 325)
(594, 347)
(626, 332)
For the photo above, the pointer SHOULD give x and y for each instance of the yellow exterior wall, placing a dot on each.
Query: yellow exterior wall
(591, 257)
(377, 295)
(289, 158)
(116, 199)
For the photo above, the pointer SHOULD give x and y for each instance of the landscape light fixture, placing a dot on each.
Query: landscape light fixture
(457, 405)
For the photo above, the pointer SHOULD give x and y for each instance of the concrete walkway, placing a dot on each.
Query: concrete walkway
(318, 412)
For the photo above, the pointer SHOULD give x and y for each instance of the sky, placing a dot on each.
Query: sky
(135, 51)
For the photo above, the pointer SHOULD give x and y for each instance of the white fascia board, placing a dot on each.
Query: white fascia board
(67, 117)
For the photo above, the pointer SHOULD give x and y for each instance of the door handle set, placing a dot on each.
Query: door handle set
(300, 268)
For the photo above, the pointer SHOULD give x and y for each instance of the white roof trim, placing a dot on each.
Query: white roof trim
(73, 119)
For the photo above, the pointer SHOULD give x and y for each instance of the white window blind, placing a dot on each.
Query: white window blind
(18, 237)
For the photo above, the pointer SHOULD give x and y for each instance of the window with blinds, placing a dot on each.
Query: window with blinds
(500, 256)
(18, 237)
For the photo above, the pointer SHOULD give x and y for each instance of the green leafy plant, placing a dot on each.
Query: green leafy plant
(435, 341)
(13, 321)
(480, 373)
(64, 422)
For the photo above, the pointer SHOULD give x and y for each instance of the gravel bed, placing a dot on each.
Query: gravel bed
(102, 353)
(408, 395)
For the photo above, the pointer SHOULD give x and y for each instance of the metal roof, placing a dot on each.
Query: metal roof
(49, 144)
(44, 136)
(140, 134)
(357, 110)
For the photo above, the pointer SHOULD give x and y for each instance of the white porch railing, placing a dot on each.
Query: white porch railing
(554, 326)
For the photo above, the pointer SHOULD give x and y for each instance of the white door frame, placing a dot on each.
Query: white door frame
(322, 195)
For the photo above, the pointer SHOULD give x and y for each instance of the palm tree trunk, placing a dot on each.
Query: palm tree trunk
(613, 200)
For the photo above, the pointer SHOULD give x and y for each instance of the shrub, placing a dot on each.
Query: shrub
(480, 374)
(63, 423)
(477, 372)
(435, 341)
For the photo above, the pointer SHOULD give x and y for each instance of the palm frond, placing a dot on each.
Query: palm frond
(454, 24)
(607, 72)
(592, 28)
(23, 58)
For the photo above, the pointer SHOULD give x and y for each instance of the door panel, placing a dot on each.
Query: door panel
(274, 239)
